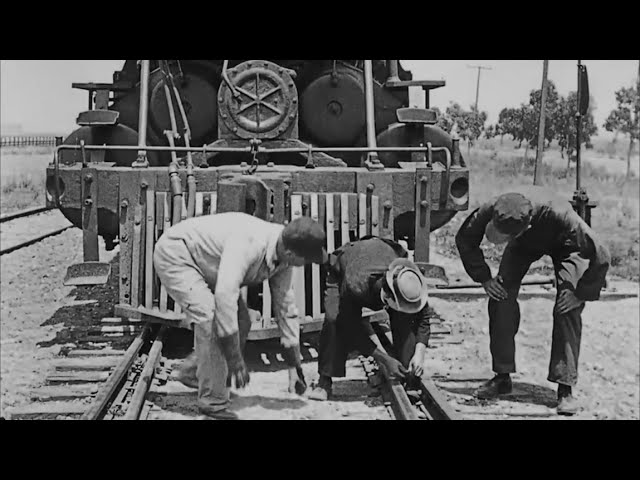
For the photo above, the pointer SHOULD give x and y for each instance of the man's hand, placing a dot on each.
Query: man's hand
(567, 301)
(416, 365)
(240, 375)
(395, 369)
(297, 383)
(292, 357)
(494, 289)
(238, 371)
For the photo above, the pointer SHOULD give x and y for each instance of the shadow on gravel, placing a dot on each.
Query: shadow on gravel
(78, 320)
(351, 390)
(268, 403)
(522, 393)
(262, 356)
(185, 403)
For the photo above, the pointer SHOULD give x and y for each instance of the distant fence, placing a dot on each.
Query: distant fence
(28, 140)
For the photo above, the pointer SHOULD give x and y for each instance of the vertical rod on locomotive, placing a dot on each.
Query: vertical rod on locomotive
(423, 215)
(148, 249)
(90, 216)
(373, 162)
(142, 161)
(91, 271)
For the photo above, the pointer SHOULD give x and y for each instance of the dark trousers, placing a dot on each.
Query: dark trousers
(504, 316)
(350, 332)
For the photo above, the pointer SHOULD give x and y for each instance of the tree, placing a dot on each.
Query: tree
(475, 121)
(497, 131)
(469, 125)
(565, 126)
(528, 129)
(624, 118)
(542, 123)
(551, 105)
(514, 122)
(443, 120)
(505, 123)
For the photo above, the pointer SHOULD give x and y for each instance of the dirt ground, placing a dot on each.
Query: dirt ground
(39, 316)
(609, 369)
(266, 397)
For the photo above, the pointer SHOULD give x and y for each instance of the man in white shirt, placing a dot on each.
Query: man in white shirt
(203, 262)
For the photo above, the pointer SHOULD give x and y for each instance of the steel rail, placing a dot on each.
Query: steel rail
(400, 403)
(110, 387)
(146, 377)
(23, 213)
(544, 281)
(436, 404)
(430, 401)
(18, 246)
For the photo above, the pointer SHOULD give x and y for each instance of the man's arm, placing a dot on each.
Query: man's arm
(468, 240)
(284, 307)
(422, 330)
(422, 326)
(288, 321)
(588, 262)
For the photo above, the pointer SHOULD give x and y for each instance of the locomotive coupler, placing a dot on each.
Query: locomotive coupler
(255, 147)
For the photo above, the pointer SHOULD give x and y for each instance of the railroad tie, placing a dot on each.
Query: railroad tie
(48, 410)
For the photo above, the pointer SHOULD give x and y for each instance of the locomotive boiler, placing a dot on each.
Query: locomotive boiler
(337, 140)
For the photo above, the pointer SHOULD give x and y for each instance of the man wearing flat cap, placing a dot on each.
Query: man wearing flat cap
(203, 262)
(534, 221)
(374, 273)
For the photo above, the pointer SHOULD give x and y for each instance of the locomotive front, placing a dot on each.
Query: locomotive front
(335, 140)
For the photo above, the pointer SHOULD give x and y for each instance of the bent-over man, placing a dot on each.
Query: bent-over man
(203, 262)
(374, 273)
(534, 222)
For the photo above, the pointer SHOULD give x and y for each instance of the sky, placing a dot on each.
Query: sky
(37, 94)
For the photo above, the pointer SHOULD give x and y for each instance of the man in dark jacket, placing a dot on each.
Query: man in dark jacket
(534, 222)
(374, 273)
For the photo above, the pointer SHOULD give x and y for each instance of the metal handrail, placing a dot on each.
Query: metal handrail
(260, 149)
(308, 150)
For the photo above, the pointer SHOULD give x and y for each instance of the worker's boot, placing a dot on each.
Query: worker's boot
(567, 404)
(322, 391)
(498, 385)
(211, 412)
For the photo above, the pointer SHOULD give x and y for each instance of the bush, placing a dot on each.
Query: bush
(615, 219)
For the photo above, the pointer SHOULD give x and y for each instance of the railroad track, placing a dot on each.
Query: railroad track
(416, 399)
(24, 228)
(100, 383)
(105, 384)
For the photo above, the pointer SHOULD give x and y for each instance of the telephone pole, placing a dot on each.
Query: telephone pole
(479, 67)
(537, 172)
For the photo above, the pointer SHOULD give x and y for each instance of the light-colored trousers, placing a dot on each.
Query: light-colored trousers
(186, 284)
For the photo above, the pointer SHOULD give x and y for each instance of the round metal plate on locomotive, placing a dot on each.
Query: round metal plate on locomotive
(332, 109)
(266, 104)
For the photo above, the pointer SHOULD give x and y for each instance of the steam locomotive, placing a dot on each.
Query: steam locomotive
(334, 139)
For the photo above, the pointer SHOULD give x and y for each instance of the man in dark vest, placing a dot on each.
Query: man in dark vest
(374, 273)
(533, 222)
